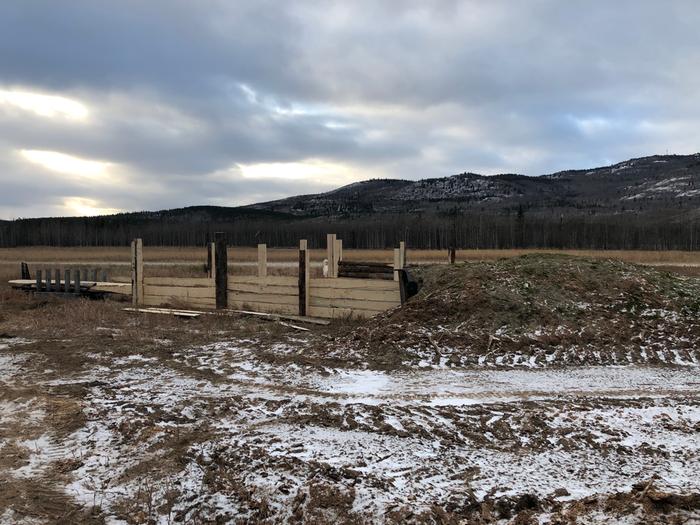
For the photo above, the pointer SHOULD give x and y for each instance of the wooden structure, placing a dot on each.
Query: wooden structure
(351, 289)
(73, 281)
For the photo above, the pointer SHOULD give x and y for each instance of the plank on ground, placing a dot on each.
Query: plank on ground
(179, 291)
(348, 283)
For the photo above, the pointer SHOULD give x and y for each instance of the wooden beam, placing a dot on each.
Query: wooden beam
(365, 284)
(76, 288)
(136, 271)
(201, 282)
(262, 260)
(397, 263)
(221, 273)
(303, 285)
(330, 255)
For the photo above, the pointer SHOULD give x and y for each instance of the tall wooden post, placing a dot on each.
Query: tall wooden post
(304, 260)
(136, 271)
(262, 260)
(330, 250)
(49, 281)
(337, 256)
(211, 259)
(38, 280)
(397, 263)
(66, 280)
(221, 270)
(57, 281)
(76, 288)
(402, 254)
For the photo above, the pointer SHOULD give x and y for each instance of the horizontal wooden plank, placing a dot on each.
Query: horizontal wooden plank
(348, 283)
(275, 280)
(356, 293)
(264, 298)
(179, 281)
(370, 276)
(264, 307)
(375, 306)
(179, 291)
(157, 300)
(263, 288)
(374, 265)
(339, 313)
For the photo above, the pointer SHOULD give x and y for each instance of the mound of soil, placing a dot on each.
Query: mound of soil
(536, 310)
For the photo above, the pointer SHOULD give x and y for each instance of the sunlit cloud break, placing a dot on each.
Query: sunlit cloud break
(319, 171)
(68, 164)
(50, 106)
(85, 207)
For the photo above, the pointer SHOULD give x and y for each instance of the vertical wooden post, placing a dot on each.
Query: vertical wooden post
(84, 273)
(397, 263)
(66, 280)
(57, 281)
(262, 260)
(402, 254)
(94, 274)
(337, 256)
(24, 271)
(136, 271)
(76, 288)
(211, 259)
(38, 280)
(451, 255)
(104, 276)
(221, 270)
(330, 249)
(49, 280)
(304, 278)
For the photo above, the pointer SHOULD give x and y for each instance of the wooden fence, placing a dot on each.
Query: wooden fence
(349, 289)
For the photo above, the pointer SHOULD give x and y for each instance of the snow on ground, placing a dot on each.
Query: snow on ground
(216, 430)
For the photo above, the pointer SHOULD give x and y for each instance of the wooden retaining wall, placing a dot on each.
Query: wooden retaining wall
(329, 297)
(273, 294)
(192, 292)
(343, 297)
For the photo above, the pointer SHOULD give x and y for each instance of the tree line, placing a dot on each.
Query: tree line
(468, 230)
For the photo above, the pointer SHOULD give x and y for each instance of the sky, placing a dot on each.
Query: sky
(134, 105)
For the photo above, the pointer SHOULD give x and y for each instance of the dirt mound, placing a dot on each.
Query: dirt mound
(536, 310)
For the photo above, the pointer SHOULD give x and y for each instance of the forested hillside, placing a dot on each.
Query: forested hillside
(647, 203)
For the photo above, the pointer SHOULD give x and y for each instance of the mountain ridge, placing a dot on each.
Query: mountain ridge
(655, 179)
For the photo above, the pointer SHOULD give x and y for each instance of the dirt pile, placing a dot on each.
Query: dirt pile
(536, 310)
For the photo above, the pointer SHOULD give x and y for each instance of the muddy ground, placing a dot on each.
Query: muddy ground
(110, 417)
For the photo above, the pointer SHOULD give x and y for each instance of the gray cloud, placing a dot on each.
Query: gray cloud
(182, 93)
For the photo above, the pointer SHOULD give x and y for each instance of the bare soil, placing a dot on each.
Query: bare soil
(110, 417)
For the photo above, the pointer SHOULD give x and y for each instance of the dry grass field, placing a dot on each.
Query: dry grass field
(194, 254)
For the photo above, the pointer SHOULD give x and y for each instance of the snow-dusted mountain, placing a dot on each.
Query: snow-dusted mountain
(648, 183)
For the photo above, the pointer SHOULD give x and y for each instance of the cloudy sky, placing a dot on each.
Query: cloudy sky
(132, 104)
